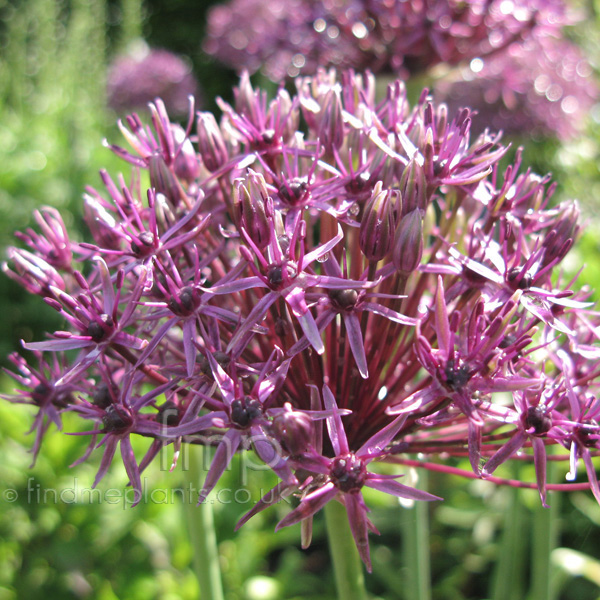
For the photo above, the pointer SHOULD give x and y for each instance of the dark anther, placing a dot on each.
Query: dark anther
(344, 299)
(40, 393)
(243, 412)
(293, 191)
(348, 473)
(537, 419)
(115, 420)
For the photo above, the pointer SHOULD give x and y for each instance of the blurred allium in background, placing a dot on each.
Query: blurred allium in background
(144, 74)
(334, 281)
(524, 67)
(543, 86)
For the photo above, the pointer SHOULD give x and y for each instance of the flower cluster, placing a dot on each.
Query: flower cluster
(332, 280)
(143, 74)
(513, 61)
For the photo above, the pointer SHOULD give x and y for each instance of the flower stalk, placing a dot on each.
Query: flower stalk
(201, 527)
(349, 575)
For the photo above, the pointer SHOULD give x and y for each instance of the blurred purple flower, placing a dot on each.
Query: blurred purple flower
(137, 78)
(541, 87)
(287, 38)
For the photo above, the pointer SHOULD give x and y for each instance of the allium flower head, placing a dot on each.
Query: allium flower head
(327, 260)
(294, 37)
(144, 74)
(543, 86)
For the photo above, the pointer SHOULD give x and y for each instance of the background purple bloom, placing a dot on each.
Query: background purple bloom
(144, 74)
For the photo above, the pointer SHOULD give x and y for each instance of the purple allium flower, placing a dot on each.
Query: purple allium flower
(294, 37)
(325, 256)
(543, 86)
(144, 74)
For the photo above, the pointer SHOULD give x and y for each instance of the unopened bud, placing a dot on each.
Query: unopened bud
(163, 180)
(186, 165)
(378, 221)
(294, 429)
(408, 243)
(252, 197)
(211, 144)
(331, 127)
(413, 188)
(560, 238)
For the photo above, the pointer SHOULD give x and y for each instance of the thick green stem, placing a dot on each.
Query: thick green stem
(200, 524)
(545, 534)
(508, 581)
(415, 535)
(349, 578)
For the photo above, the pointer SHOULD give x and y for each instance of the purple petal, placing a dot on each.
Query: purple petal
(309, 505)
(109, 452)
(357, 345)
(189, 334)
(395, 488)
(504, 452)
(273, 496)
(131, 466)
(376, 443)
(357, 516)
(335, 428)
(228, 446)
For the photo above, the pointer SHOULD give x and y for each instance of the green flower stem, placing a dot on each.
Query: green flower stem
(349, 578)
(508, 581)
(200, 524)
(415, 536)
(545, 535)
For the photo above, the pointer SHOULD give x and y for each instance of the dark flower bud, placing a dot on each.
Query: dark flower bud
(294, 429)
(115, 420)
(98, 329)
(211, 144)
(185, 302)
(103, 396)
(344, 299)
(222, 359)
(408, 243)
(378, 221)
